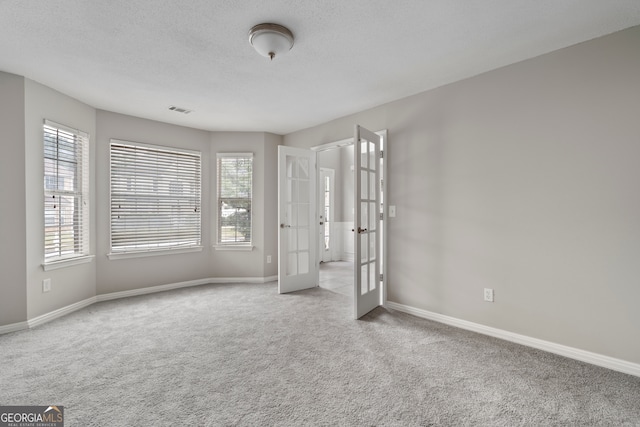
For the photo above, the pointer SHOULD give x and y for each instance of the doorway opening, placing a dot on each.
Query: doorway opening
(299, 218)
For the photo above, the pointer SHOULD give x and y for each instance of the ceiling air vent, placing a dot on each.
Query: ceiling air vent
(179, 110)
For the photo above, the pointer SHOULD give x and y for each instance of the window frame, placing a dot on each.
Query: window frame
(233, 245)
(169, 204)
(56, 158)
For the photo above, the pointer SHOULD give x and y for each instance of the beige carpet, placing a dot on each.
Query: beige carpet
(241, 355)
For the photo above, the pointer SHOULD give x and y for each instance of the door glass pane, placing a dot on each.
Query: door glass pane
(372, 246)
(364, 247)
(294, 191)
(364, 184)
(372, 217)
(303, 191)
(291, 167)
(293, 241)
(303, 169)
(372, 185)
(364, 278)
(364, 215)
(303, 258)
(303, 240)
(289, 190)
(303, 215)
(364, 155)
(292, 264)
(372, 277)
(372, 155)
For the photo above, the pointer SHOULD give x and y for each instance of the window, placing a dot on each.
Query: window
(155, 198)
(235, 177)
(66, 193)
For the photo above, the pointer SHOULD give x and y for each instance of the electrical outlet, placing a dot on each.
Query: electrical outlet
(488, 294)
(46, 285)
(268, 259)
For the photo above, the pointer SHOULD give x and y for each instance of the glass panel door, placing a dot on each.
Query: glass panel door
(297, 241)
(368, 289)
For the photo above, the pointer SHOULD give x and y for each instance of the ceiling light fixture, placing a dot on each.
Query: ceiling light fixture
(270, 39)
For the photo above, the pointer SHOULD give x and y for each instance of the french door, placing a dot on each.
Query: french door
(297, 238)
(367, 230)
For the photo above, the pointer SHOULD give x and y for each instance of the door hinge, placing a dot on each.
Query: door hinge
(381, 216)
(382, 154)
(381, 277)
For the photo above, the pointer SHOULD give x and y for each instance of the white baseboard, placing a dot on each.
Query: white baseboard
(151, 290)
(187, 284)
(52, 315)
(348, 256)
(250, 280)
(562, 350)
(13, 327)
(47, 317)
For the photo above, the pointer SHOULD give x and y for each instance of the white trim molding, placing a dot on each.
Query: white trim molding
(247, 280)
(150, 290)
(67, 262)
(141, 254)
(179, 285)
(562, 350)
(52, 315)
(13, 327)
(233, 247)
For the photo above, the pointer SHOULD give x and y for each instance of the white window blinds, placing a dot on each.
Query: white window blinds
(155, 198)
(235, 178)
(66, 192)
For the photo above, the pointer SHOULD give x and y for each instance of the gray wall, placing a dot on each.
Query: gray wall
(133, 273)
(13, 227)
(523, 180)
(225, 263)
(23, 107)
(115, 275)
(74, 283)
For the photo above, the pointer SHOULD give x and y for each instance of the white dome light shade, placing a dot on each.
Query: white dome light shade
(271, 39)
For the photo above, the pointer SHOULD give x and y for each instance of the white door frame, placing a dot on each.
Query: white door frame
(385, 223)
(322, 253)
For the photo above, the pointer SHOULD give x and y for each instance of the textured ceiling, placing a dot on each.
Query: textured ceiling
(139, 57)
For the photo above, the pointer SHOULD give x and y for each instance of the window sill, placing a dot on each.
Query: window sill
(67, 262)
(234, 247)
(127, 255)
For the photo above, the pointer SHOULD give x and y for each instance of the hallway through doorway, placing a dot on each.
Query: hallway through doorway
(337, 276)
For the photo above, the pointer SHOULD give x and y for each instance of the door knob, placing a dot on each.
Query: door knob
(322, 223)
(361, 230)
(284, 226)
